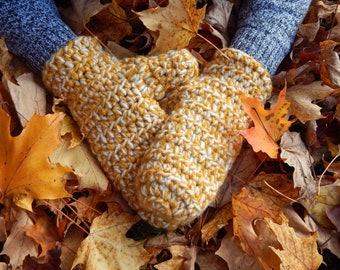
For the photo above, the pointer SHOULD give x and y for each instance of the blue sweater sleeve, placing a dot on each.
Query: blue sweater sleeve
(33, 30)
(267, 28)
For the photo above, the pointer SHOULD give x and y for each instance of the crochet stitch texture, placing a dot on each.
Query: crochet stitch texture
(165, 135)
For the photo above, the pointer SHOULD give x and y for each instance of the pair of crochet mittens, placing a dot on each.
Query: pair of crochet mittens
(164, 133)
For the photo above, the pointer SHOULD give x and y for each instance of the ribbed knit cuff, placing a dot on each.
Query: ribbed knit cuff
(33, 30)
(266, 29)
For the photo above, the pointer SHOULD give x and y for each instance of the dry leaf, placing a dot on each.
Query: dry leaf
(43, 232)
(219, 220)
(232, 252)
(80, 13)
(296, 253)
(183, 258)
(25, 172)
(248, 210)
(18, 245)
(107, 247)
(28, 97)
(269, 125)
(327, 198)
(301, 97)
(179, 20)
(85, 166)
(330, 64)
(296, 155)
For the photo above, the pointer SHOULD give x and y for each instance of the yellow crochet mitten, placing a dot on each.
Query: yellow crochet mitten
(181, 172)
(115, 102)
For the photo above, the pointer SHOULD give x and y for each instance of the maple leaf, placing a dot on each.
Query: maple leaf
(179, 21)
(296, 155)
(301, 97)
(106, 247)
(248, 210)
(269, 125)
(296, 253)
(25, 172)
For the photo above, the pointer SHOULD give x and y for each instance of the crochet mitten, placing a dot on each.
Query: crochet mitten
(266, 29)
(115, 102)
(190, 156)
(33, 30)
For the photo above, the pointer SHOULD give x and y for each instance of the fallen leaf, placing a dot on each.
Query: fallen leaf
(80, 13)
(28, 97)
(70, 127)
(301, 98)
(50, 262)
(231, 251)
(269, 125)
(219, 220)
(248, 210)
(330, 64)
(296, 253)
(25, 172)
(327, 198)
(43, 231)
(296, 155)
(18, 245)
(183, 258)
(83, 163)
(207, 260)
(106, 247)
(179, 20)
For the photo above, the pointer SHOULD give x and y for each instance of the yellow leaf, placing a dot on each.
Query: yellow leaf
(25, 172)
(269, 125)
(176, 23)
(183, 257)
(107, 247)
(296, 253)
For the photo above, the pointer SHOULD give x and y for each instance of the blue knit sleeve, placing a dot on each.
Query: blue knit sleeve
(267, 28)
(33, 30)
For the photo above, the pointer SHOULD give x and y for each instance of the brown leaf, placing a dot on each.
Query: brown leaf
(301, 97)
(183, 258)
(330, 64)
(231, 251)
(43, 231)
(80, 13)
(27, 246)
(219, 220)
(28, 97)
(179, 20)
(25, 172)
(248, 210)
(296, 253)
(51, 261)
(296, 155)
(107, 247)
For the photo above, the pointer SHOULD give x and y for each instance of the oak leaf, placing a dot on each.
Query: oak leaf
(107, 247)
(269, 125)
(176, 23)
(25, 172)
(296, 253)
(296, 155)
(301, 97)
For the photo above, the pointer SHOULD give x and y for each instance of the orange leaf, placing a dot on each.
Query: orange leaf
(43, 232)
(25, 172)
(269, 125)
